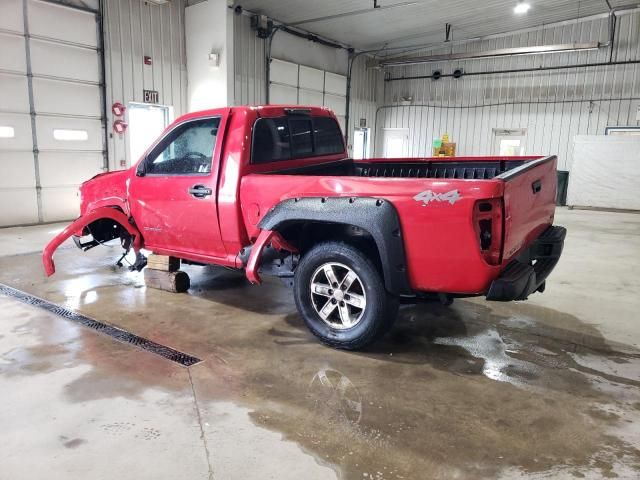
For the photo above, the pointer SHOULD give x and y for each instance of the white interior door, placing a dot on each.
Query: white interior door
(146, 123)
(396, 142)
(361, 143)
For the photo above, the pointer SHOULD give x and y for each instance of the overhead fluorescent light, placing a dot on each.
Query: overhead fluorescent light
(521, 8)
(503, 52)
(158, 2)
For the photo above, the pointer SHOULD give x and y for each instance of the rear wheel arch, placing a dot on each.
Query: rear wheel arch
(373, 224)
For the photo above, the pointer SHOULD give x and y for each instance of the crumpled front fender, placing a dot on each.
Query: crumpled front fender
(265, 237)
(79, 224)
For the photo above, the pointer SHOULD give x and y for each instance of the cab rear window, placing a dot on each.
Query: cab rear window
(284, 138)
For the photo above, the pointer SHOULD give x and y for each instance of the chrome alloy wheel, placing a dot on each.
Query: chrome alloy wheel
(337, 295)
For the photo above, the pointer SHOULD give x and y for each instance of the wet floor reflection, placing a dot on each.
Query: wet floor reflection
(334, 397)
(469, 391)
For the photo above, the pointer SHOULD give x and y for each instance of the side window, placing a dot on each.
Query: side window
(271, 140)
(301, 141)
(327, 135)
(187, 150)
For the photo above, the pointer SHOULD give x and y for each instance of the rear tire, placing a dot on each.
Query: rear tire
(341, 296)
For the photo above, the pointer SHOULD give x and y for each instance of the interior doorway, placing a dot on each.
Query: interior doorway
(361, 139)
(509, 141)
(396, 142)
(146, 123)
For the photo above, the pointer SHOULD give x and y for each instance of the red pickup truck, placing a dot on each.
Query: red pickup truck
(271, 190)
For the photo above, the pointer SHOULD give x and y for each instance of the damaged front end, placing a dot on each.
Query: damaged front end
(95, 228)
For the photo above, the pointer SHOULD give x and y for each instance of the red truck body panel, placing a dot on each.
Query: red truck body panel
(440, 237)
(528, 213)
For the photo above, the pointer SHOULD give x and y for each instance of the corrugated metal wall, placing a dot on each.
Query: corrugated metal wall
(133, 29)
(366, 88)
(249, 63)
(552, 105)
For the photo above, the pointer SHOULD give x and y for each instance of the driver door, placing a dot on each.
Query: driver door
(173, 194)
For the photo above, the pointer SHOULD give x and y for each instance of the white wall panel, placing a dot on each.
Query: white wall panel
(366, 88)
(14, 93)
(284, 72)
(17, 170)
(282, 94)
(311, 78)
(12, 53)
(45, 127)
(53, 96)
(249, 63)
(310, 97)
(64, 61)
(336, 84)
(209, 25)
(60, 203)
(605, 173)
(62, 23)
(24, 206)
(68, 168)
(11, 16)
(335, 103)
(293, 83)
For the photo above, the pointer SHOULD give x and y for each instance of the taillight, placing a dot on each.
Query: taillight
(487, 221)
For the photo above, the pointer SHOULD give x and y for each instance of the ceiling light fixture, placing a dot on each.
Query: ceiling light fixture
(521, 8)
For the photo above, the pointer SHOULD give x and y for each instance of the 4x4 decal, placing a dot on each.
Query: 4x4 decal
(429, 196)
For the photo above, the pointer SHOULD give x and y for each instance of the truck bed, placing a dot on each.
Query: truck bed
(437, 200)
(479, 168)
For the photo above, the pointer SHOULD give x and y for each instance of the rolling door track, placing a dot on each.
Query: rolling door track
(51, 109)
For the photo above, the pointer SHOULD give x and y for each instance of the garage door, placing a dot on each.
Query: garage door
(51, 119)
(291, 83)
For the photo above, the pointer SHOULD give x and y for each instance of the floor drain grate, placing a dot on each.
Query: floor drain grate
(114, 332)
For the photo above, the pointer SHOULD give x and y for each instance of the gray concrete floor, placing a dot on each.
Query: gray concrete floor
(548, 388)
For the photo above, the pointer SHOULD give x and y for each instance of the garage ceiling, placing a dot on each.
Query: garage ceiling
(413, 22)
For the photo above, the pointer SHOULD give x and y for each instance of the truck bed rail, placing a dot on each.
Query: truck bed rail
(448, 169)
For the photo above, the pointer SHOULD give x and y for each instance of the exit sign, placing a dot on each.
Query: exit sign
(150, 96)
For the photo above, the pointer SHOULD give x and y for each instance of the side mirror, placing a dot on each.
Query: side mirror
(140, 170)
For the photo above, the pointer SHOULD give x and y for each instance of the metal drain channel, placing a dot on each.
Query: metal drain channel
(110, 330)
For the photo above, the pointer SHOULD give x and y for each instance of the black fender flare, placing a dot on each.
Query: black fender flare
(376, 216)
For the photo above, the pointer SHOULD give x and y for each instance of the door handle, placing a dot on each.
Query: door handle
(536, 186)
(200, 191)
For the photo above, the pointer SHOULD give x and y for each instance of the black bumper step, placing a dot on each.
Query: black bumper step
(529, 271)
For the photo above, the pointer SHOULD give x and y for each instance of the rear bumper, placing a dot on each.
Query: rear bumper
(520, 278)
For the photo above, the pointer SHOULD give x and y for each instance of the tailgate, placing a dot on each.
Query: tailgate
(529, 203)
